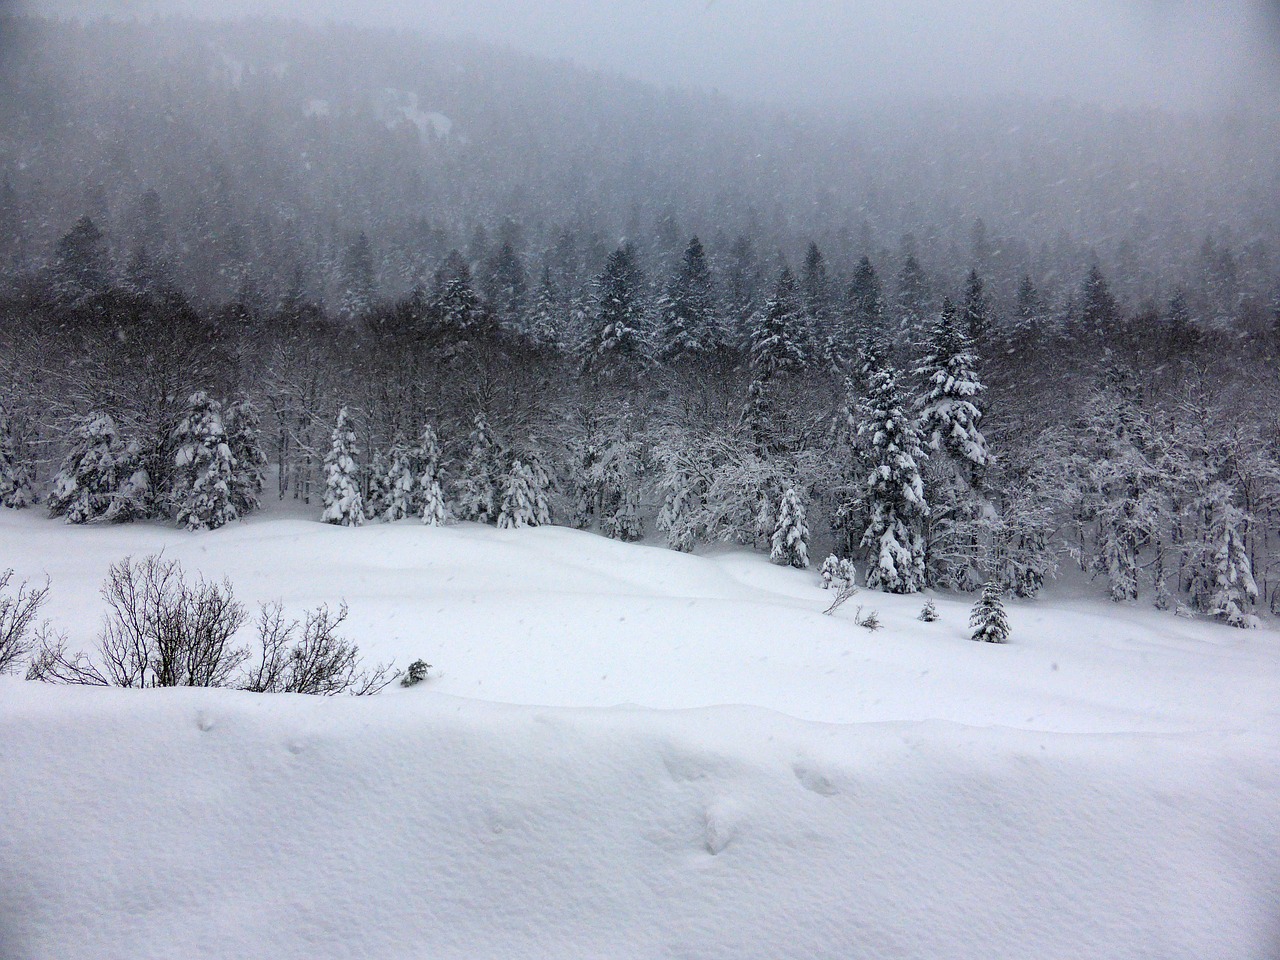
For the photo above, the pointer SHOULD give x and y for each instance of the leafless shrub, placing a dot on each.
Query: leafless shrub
(161, 631)
(846, 590)
(18, 612)
(318, 662)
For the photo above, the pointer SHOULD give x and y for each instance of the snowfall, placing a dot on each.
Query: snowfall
(622, 751)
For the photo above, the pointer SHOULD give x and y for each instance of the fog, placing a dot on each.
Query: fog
(1167, 53)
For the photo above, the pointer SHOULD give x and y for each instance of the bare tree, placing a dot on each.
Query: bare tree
(18, 612)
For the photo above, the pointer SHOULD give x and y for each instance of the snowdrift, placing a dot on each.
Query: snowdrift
(1107, 786)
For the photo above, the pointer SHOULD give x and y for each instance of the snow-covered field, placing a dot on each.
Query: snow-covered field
(629, 752)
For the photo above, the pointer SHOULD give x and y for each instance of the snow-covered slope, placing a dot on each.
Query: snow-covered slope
(1106, 786)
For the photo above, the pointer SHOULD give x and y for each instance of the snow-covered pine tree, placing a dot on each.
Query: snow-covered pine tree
(343, 501)
(949, 414)
(375, 495)
(977, 308)
(865, 307)
(949, 421)
(15, 471)
(836, 572)
(399, 486)
(689, 324)
(204, 467)
(546, 319)
(776, 352)
(616, 342)
(988, 619)
(894, 493)
(480, 487)
(101, 477)
(240, 420)
(1227, 588)
(519, 502)
(429, 494)
(789, 545)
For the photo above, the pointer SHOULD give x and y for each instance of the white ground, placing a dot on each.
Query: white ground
(628, 752)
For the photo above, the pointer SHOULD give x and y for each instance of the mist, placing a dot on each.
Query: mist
(1165, 53)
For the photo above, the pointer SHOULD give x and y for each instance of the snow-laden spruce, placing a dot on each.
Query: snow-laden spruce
(15, 471)
(524, 498)
(399, 485)
(101, 477)
(1231, 587)
(988, 619)
(428, 492)
(789, 545)
(343, 501)
(894, 490)
(480, 487)
(242, 425)
(203, 467)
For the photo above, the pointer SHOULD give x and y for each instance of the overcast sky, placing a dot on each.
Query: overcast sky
(1168, 52)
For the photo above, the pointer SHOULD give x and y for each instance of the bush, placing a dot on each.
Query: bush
(929, 612)
(416, 673)
(161, 631)
(17, 619)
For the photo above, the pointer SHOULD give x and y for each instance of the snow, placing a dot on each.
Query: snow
(624, 751)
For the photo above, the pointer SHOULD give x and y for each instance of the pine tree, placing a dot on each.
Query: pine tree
(815, 293)
(949, 415)
(1030, 309)
(15, 471)
(343, 502)
(204, 468)
(523, 505)
(1230, 589)
(866, 305)
(505, 284)
(977, 308)
(399, 485)
(101, 477)
(429, 494)
(790, 540)
(913, 297)
(457, 307)
(689, 324)
(481, 484)
(894, 493)
(615, 343)
(1098, 309)
(546, 317)
(80, 262)
(776, 354)
(240, 419)
(988, 620)
(358, 287)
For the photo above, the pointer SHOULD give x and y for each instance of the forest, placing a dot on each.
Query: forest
(449, 282)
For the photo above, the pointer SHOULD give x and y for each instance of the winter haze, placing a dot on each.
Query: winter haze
(814, 52)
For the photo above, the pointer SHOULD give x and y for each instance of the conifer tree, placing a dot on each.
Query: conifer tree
(523, 504)
(988, 619)
(343, 501)
(546, 317)
(505, 284)
(429, 494)
(866, 305)
(615, 343)
(240, 419)
(399, 485)
(481, 484)
(15, 471)
(457, 307)
(1030, 308)
(815, 292)
(1099, 312)
(949, 414)
(689, 324)
(790, 540)
(894, 494)
(913, 298)
(204, 468)
(358, 288)
(101, 477)
(776, 354)
(977, 308)
(1225, 588)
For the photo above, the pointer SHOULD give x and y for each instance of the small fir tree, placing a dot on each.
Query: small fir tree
(429, 494)
(929, 612)
(480, 487)
(101, 477)
(988, 620)
(522, 506)
(343, 502)
(399, 486)
(204, 468)
(240, 419)
(790, 541)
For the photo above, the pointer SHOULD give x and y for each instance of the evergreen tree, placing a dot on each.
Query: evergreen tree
(949, 414)
(399, 485)
(481, 485)
(358, 285)
(988, 619)
(101, 477)
(545, 324)
(776, 354)
(1225, 587)
(1030, 309)
(790, 540)
(913, 298)
(429, 494)
(866, 305)
(977, 308)
(80, 262)
(15, 470)
(894, 494)
(505, 285)
(815, 292)
(616, 339)
(1098, 310)
(457, 307)
(343, 501)
(240, 419)
(204, 467)
(689, 323)
(524, 499)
